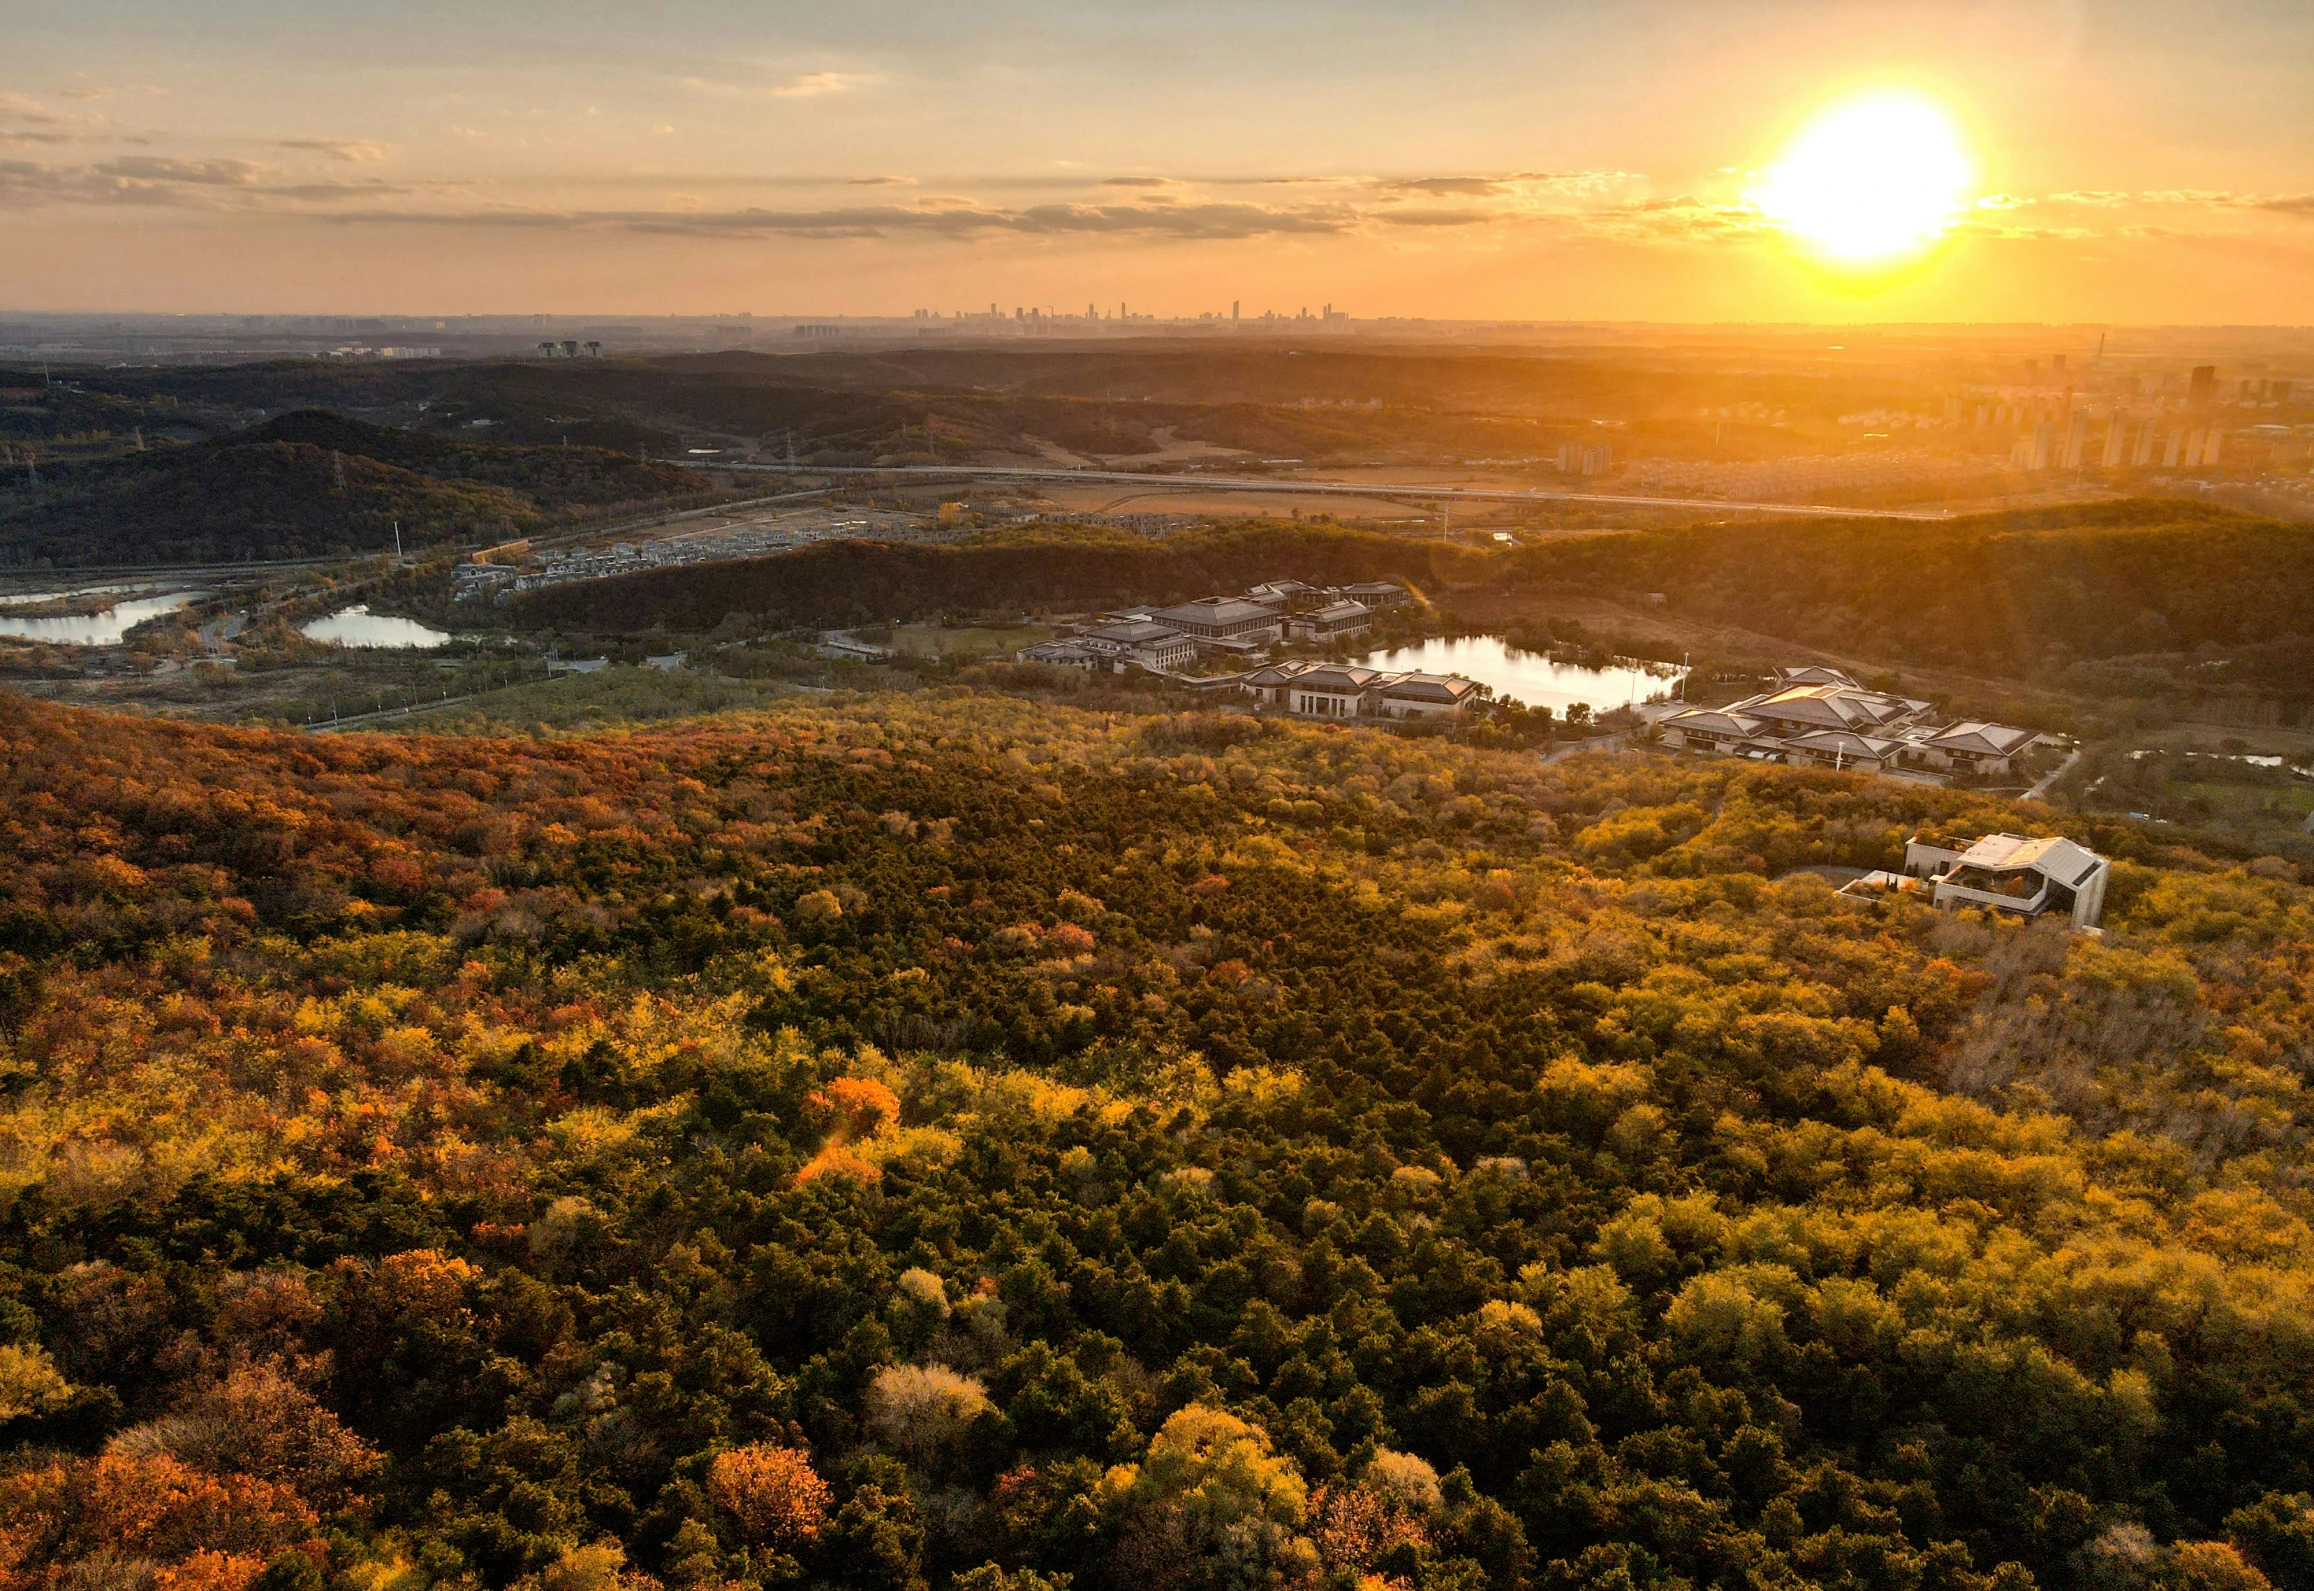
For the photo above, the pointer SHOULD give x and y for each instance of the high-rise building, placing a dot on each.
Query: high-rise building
(2169, 450)
(2044, 438)
(2076, 438)
(2203, 389)
(2212, 449)
(2146, 438)
(2116, 434)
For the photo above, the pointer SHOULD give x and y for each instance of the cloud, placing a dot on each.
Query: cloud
(2289, 204)
(810, 85)
(216, 185)
(25, 109)
(358, 150)
(1140, 182)
(1477, 187)
(161, 169)
(1438, 217)
(1179, 222)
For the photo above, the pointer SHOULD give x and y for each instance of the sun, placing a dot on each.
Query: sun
(1871, 181)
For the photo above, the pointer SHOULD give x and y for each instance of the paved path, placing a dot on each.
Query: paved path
(2040, 791)
(1614, 742)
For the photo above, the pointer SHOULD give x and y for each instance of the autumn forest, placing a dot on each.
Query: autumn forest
(956, 1140)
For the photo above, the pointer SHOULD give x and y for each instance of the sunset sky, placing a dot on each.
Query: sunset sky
(2133, 161)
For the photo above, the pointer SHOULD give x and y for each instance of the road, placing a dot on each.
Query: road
(2041, 790)
(1302, 488)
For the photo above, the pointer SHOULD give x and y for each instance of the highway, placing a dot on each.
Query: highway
(1302, 488)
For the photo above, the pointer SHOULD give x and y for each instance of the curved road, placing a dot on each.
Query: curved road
(1291, 488)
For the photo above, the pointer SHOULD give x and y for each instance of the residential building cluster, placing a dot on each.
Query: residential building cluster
(1169, 641)
(1823, 717)
(473, 581)
(1244, 628)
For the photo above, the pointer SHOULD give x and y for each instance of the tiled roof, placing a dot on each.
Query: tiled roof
(1995, 740)
(1429, 687)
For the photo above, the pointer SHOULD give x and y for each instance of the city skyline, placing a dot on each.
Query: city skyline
(2129, 163)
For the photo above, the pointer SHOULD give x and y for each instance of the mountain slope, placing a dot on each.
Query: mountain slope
(944, 1135)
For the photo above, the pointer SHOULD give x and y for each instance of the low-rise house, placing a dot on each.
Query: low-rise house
(2030, 876)
(1709, 729)
(1272, 684)
(1418, 695)
(1804, 709)
(1843, 749)
(1333, 691)
(1822, 716)
(1974, 746)
(1287, 596)
(1063, 654)
(1337, 690)
(1142, 641)
(1333, 620)
(1214, 620)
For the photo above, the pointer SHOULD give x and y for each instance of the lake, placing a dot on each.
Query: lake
(358, 626)
(1530, 676)
(93, 629)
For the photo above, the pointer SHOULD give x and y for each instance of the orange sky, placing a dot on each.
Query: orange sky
(2134, 162)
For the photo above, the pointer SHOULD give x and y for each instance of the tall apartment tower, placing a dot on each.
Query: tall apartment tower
(2116, 434)
(2044, 437)
(2142, 454)
(2203, 389)
(2076, 438)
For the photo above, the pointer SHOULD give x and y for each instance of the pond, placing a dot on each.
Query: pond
(93, 629)
(358, 626)
(1532, 677)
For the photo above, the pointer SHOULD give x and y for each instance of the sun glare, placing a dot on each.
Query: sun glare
(1871, 181)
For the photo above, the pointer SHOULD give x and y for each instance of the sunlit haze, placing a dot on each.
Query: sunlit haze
(1871, 181)
(1669, 160)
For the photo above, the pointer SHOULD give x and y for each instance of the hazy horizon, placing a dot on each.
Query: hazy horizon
(2127, 163)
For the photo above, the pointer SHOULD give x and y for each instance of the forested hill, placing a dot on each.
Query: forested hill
(1065, 568)
(2017, 594)
(946, 1140)
(2020, 592)
(310, 483)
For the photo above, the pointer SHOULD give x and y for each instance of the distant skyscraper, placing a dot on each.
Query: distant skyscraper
(2203, 389)
(2169, 450)
(2146, 437)
(2211, 449)
(2076, 438)
(1233, 307)
(2044, 436)
(2116, 434)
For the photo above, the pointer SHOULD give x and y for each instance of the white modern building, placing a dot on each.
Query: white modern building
(2013, 873)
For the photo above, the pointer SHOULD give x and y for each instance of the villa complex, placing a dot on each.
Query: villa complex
(1821, 716)
(1243, 628)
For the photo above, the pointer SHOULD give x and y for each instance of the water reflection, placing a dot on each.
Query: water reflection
(93, 629)
(358, 626)
(1531, 676)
